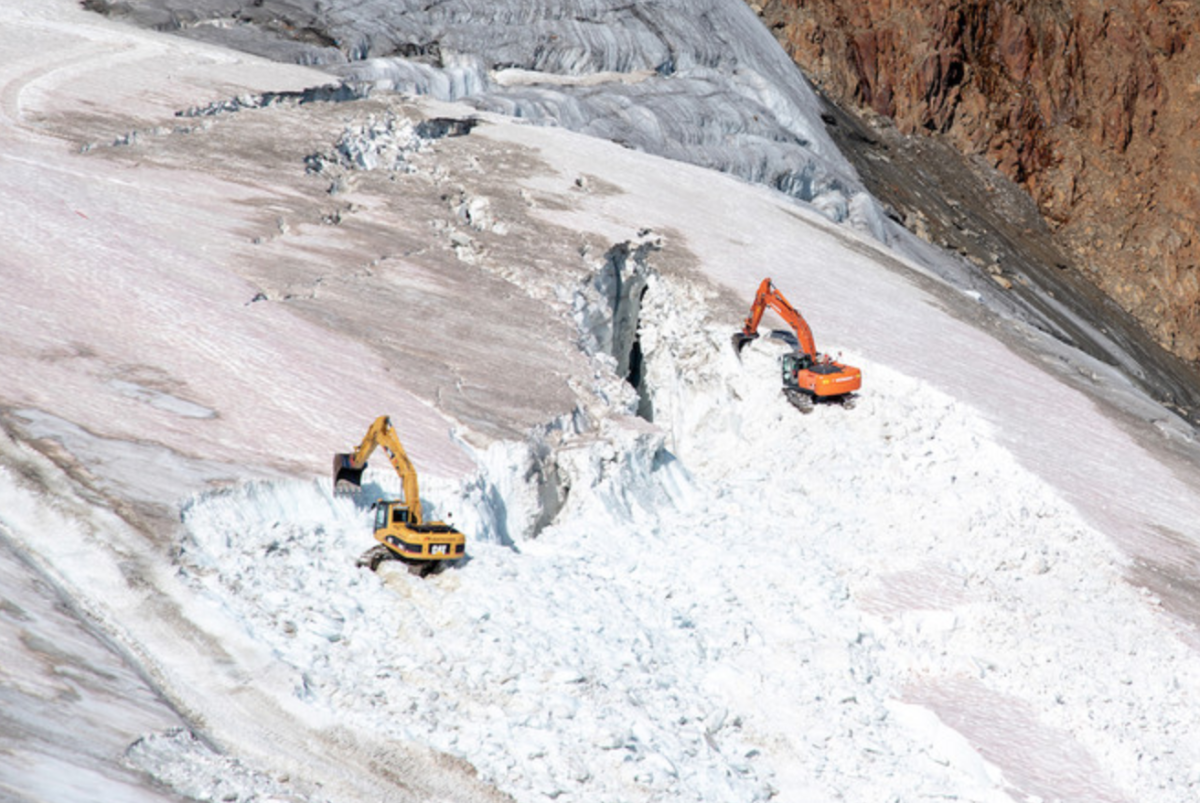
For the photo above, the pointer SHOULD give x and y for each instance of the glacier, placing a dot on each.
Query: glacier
(677, 587)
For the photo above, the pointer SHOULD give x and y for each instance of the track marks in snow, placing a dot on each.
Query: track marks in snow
(1045, 763)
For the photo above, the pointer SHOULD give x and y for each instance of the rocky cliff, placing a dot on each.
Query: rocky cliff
(1090, 106)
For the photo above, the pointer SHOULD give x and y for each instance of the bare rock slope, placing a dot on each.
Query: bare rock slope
(1089, 106)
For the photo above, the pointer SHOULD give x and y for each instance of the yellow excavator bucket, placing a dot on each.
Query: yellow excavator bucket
(346, 478)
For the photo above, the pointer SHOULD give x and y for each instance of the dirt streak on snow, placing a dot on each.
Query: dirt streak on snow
(119, 278)
(68, 702)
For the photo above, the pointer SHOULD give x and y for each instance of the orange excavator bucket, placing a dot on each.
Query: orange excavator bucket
(346, 478)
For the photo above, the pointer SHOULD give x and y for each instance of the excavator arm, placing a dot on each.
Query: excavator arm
(768, 296)
(348, 468)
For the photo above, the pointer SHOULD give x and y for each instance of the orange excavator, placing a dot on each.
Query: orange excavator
(808, 376)
(400, 526)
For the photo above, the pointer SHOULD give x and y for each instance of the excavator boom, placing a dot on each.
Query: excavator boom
(348, 468)
(768, 296)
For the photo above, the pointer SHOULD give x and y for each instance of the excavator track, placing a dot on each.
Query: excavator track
(801, 401)
(378, 554)
(374, 556)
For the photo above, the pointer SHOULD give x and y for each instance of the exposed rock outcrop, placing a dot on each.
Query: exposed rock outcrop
(1090, 106)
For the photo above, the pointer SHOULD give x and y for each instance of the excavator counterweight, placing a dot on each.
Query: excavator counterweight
(400, 526)
(808, 376)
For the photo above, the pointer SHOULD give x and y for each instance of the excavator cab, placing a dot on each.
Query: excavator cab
(791, 364)
(809, 378)
(424, 548)
(388, 512)
(424, 544)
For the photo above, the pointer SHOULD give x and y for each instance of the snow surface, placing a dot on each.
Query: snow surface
(928, 596)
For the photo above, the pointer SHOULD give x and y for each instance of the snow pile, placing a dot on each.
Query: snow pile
(386, 142)
(973, 586)
(378, 143)
(182, 762)
(742, 617)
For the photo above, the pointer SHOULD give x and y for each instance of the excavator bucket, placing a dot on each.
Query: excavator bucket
(346, 478)
(740, 339)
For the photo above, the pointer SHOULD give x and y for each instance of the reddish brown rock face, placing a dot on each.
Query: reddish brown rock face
(1093, 107)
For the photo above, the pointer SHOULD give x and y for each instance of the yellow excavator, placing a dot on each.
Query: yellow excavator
(400, 526)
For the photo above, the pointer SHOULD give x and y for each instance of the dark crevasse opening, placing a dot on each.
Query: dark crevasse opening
(635, 375)
(627, 274)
